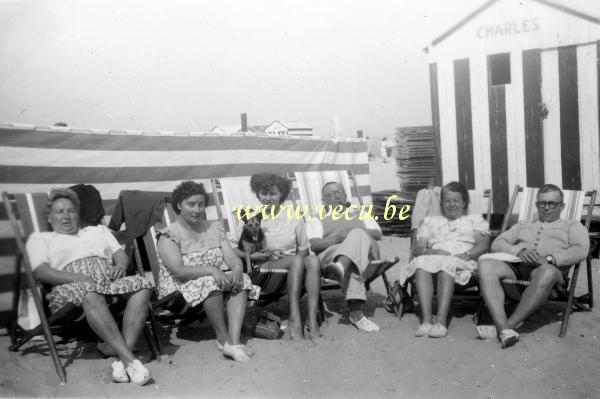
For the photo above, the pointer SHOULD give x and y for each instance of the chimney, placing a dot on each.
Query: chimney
(244, 122)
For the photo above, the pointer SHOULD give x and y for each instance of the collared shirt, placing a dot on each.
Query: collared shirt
(567, 241)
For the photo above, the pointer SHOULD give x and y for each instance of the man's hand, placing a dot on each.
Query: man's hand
(529, 255)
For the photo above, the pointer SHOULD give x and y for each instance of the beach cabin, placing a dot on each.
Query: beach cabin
(514, 95)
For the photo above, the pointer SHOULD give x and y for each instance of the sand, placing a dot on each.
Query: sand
(346, 363)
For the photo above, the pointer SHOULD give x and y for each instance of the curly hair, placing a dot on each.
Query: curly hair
(58, 193)
(456, 187)
(261, 182)
(185, 190)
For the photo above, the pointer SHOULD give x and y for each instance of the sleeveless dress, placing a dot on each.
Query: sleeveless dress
(204, 252)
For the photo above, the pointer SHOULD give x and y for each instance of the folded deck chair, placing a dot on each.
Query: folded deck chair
(236, 192)
(31, 210)
(309, 186)
(427, 204)
(575, 202)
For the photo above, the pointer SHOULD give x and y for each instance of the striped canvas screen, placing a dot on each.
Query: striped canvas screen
(34, 159)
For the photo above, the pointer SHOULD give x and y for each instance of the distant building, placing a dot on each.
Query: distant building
(230, 129)
(291, 128)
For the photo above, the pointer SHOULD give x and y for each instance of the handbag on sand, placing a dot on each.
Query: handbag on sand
(268, 326)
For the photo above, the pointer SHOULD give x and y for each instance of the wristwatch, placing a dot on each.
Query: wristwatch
(550, 259)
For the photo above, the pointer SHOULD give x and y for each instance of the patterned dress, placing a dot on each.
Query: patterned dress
(455, 236)
(204, 252)
(88, 252)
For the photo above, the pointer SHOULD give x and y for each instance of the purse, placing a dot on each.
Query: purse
(268, 326)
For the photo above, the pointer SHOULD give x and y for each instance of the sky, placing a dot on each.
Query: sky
(340, 66)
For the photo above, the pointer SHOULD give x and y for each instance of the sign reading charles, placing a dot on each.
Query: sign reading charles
(523, 26)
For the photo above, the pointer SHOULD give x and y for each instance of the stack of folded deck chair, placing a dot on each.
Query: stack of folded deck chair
(415, 157)
(394, 226)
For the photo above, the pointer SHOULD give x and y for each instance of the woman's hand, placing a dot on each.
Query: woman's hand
(116, 272)
(223, 281)
(466, 256)
(260, 257)
(431, 251)
(81, 278)
(237, 278)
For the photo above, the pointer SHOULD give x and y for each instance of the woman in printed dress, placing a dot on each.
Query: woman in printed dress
(287, 247)
(86, 267)
(197, 260)
(447, 247)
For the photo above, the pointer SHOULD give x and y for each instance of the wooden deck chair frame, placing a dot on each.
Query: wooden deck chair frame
(30, 206)
(586, 301)
(468, 293)
(265, 298)
(384, 265)
(149, 244)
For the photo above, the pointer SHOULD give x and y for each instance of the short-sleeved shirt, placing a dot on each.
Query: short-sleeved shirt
(58, 250)
(284, 234)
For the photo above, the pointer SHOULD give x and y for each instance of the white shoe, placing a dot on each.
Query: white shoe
(138, 373)
(249, 351)
(118, 372)
(235, 352)
(364, 324)
(423, 330)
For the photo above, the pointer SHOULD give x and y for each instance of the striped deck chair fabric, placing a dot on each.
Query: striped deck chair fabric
(311, 183)
(575, 204)
(574, 201)
(236, 192)
(32, 220)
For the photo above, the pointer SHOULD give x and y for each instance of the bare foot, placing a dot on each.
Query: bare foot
(295, 330)
(313, 331)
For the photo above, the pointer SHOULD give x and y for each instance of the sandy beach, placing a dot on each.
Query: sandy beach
(345, 363)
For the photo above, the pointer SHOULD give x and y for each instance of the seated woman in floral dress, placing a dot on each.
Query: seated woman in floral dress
(197, 260)
(448, 247)
(85, 266)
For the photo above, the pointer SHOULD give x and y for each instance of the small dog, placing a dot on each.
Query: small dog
(252, 239)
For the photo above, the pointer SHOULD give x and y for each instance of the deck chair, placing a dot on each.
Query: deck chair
(230, 193)
(575, 203)
(173, 307)
(309, 186)
(31, 208)
(427, 204)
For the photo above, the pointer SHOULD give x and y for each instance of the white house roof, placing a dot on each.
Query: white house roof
(293, 125)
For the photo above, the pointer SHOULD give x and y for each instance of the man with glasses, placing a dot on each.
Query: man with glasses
(345, 246)
(546, 248)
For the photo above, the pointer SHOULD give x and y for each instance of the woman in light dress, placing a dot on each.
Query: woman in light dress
(447, 248)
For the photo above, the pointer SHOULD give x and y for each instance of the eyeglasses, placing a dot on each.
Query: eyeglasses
(338, 193)
(549, 204)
